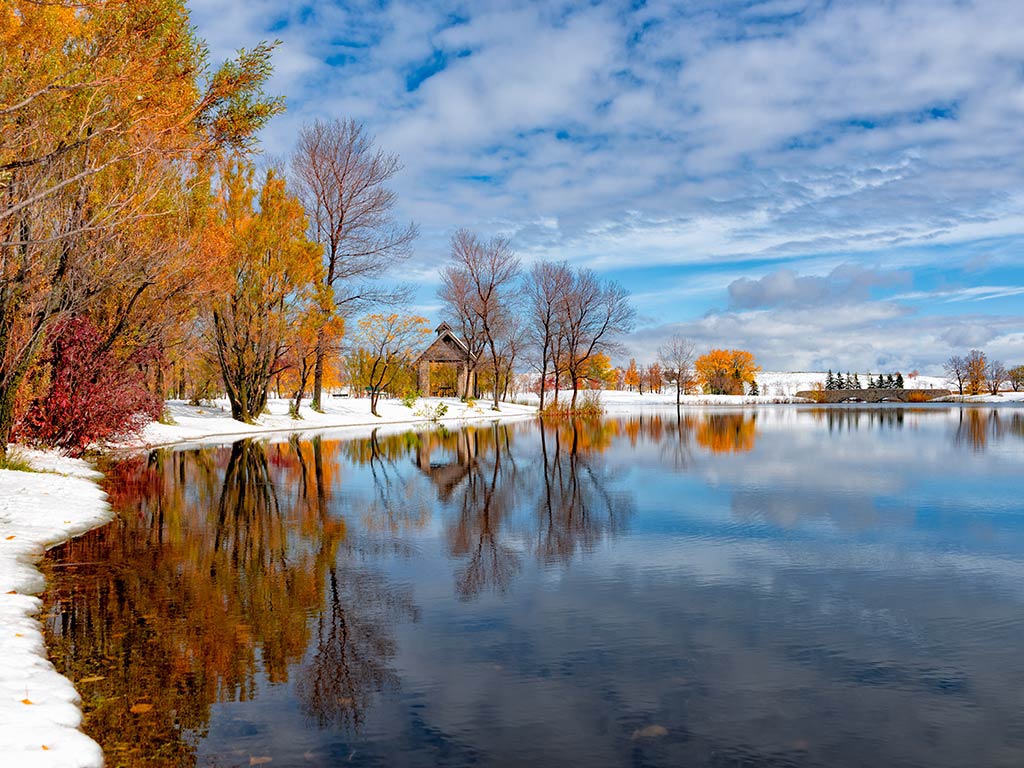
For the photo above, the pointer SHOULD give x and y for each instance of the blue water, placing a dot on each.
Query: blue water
(769, 587)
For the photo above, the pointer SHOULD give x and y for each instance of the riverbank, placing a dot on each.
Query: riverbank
(210, 422)
(39, 708)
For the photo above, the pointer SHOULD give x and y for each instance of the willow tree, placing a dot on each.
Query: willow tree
(269, 272)
(101, 104)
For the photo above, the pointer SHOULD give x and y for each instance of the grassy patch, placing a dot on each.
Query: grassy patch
(16, 462)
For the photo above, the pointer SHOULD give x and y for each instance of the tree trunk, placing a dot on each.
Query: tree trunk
(318, 372)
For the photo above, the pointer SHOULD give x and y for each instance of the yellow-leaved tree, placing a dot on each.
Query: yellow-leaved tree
(725, 371)
(386, 347)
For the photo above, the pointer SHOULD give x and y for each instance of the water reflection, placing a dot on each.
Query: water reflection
(668, 588)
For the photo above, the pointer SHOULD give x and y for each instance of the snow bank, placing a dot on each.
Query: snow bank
(39, 709)
(198, 423)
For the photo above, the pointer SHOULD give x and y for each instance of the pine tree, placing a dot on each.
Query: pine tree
(899, 380)
(830, 382)
(856, 382)
(890, 382)
(753, 388)
(840, 381)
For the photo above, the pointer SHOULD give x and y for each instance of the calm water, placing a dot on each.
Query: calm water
(776, 587)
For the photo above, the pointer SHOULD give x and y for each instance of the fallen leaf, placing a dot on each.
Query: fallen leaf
(260, 760)
(650, 732)
(94, 679)
(9, 538)
(139, 709)
(26, 701)
(46, 747)
(11, 592)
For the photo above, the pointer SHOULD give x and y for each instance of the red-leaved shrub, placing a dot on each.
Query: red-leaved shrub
(92, 395)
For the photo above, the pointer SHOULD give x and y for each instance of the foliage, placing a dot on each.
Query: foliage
(432, 412)
(724, 372)
(93, 395)
(409, 398)
(1016, 377)
(975, 365)
(386, 345)
(269, 273)
(108, 109)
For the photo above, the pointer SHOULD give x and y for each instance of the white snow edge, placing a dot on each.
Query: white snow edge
(39, 510)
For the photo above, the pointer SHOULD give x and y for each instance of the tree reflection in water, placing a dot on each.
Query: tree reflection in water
(228, 567)
(200, 586)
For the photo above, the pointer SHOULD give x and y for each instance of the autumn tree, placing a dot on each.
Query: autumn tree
(545, 286)
(387, 345)
(595, 312)
(478, 288)
(270, 272)
(677, 357)
(600, 372)
(724, 372)
(975, 364)
(342, 178)
(102, 105)
(632, 378)
(1016, 377)
(654, 378)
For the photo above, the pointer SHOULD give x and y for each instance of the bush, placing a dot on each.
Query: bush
(917, 397)
(93, 395)
(409, 398)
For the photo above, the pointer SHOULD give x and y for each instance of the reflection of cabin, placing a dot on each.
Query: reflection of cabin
(446, 475)
(443, 369)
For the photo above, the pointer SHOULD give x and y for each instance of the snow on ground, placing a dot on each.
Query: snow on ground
(206, 422)
(39, 709)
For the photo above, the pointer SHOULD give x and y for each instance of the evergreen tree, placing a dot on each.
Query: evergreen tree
(830, 383)
(753, 388)
(899, 380)
(856, 382)
(848, 382)
(840, 381)
(889, 381)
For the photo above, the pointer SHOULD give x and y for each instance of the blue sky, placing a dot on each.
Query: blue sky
(828, 184)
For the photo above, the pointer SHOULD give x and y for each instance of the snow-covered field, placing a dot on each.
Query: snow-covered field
(39, 713)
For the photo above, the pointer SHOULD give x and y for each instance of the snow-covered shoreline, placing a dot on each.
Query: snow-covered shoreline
(39, 708)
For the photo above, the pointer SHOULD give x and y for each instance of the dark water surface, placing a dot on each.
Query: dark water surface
(775, 587)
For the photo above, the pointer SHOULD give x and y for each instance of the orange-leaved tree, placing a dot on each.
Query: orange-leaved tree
(725, 371)
(269, 272)
(102, 106)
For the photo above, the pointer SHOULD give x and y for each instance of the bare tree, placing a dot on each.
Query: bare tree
(478, 290)
(546, 286)
(677, 357)
(995, 375)
(956, 371)
(595, 312)
(341, 177)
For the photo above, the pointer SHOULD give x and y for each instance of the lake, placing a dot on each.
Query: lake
(783, 586)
